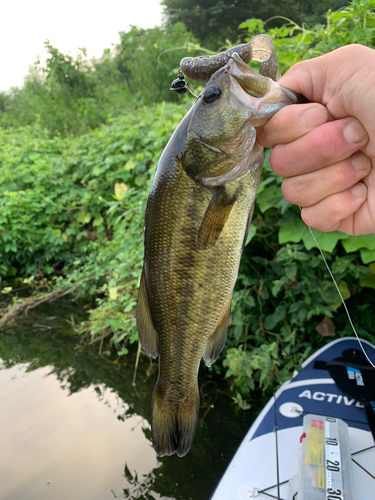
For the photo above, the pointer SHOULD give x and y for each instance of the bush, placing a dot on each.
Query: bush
(149, 60)
(72, 211)
(77, 205)
(72, 96)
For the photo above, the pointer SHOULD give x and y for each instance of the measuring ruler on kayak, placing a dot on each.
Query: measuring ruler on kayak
(333, 461)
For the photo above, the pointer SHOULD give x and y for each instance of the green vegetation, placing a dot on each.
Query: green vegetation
(80, 144)
(214, 22)
(72, 96)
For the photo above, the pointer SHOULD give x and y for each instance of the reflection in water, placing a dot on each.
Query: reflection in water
(59, 446)
(73, 426)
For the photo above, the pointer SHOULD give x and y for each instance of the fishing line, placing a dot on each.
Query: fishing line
(341, 297)
(277, 450)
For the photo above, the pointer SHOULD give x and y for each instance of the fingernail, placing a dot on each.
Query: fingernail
(360, 161)
(355, 132)
(313, 117)
(359, 190)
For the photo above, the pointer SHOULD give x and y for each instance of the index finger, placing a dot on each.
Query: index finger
(323, 146)
(291, 123)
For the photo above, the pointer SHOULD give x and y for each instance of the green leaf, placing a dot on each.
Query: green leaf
(367, 256)
(130, 164)
(269, 197)
(344, 290)
(326, 241)
(354, 243)
(368, 280)
(120, 190)
(11, 271)
(292, 232)
(251, 234)
(115, 324)
(252, 25)
(272, 319)
(291, 271)
(98, 221)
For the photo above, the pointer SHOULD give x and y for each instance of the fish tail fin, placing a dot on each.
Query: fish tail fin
(174, 425)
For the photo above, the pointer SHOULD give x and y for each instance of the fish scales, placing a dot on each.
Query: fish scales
(198, 213)
(179, 296)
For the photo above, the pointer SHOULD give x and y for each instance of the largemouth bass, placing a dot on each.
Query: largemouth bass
(198, 213)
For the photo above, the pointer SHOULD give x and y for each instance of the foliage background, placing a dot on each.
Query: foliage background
(80, 144)
(214, 22)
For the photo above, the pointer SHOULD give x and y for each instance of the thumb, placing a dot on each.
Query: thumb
(331, 78)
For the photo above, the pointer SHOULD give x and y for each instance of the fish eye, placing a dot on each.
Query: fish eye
(211, 94)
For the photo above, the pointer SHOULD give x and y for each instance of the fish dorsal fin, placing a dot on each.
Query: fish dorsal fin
(214, 219)
(148, 336)
(216, 341)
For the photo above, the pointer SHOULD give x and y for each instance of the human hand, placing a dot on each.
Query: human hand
(326, 149)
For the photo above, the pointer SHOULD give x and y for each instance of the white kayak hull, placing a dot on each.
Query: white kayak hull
(257, 468)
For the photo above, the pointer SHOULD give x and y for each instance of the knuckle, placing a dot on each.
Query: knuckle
(327, 143)
(355, 50)
(337, 206)
(279, 159)
(342, 174)
(291, 191)
(312, 219)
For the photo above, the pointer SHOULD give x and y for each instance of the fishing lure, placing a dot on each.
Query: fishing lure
(179, 85)
(260, 48)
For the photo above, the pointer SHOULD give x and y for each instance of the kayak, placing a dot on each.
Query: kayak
(315, 437)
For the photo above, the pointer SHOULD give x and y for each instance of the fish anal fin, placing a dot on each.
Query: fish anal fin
(214, 219)
(148, 336)
(216, 341)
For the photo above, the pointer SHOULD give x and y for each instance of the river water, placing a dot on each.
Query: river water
(74, 427)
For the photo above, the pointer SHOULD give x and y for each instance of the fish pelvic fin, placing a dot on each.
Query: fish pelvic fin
(216, 341)
(174, 424)
(148, 336)
(214, 219)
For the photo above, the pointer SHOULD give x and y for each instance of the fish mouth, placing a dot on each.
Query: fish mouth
(261, 94)
(249, 80)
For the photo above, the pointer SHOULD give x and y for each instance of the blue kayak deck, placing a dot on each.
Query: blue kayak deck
(254, 470)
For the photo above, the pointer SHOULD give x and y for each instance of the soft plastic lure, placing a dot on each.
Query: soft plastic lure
(260, 48)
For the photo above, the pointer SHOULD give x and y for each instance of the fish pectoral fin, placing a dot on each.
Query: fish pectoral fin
(216, 341)
(148, 336)
(214, 219)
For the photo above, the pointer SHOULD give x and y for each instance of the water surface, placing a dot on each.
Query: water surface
(73, 425)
